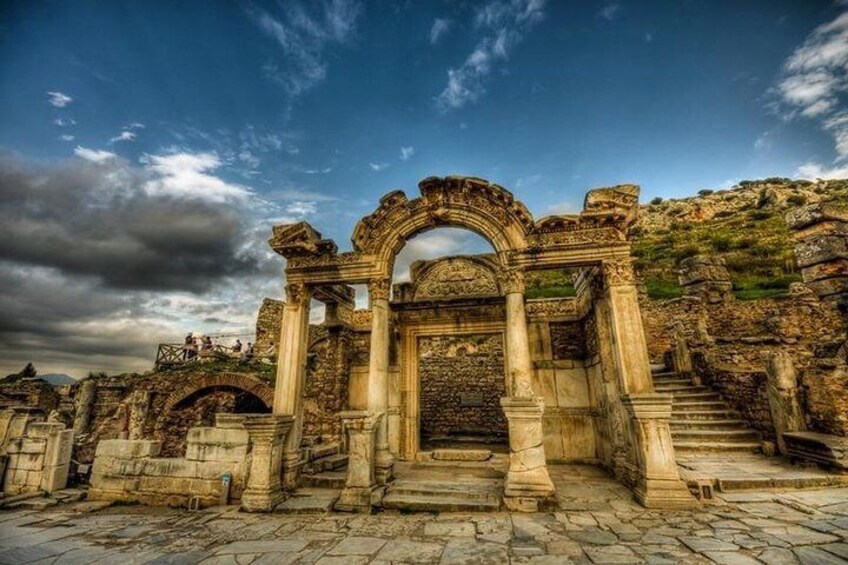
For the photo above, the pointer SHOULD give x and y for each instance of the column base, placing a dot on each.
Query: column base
(664, 493)
(292, 466)
(261, 501)
(528, 486)
(359, 499)
(384, 464)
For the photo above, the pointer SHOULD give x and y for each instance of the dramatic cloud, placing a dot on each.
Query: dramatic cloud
(102, 220)
(59, 99)
(814, 86)
(440, 242)
(95, 269)
(406, 153)
(440, 28)
(187, 175)
(503, 24)
(305, 38)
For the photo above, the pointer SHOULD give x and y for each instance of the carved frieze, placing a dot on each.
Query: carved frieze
(618, 272)
(552, 308)
(453, 278)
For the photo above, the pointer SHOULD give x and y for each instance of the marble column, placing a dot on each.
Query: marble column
(267, 434)
(378, 375)
(83, 403)
(361, 484)
(657, 480)
(658, 483)
(528, 485)
(291, 373)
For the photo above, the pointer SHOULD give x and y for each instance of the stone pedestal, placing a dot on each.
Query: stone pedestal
(267, 434)
(782, 389)
(658, 484)
(528, 486)
(361, 484)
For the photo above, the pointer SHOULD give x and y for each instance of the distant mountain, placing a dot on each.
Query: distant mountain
(58, 379)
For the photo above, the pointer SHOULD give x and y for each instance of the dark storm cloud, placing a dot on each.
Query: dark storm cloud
(95, 219)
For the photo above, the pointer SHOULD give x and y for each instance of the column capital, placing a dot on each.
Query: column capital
(512, 280)
(378, 288)
(297, 293)
(618, 272)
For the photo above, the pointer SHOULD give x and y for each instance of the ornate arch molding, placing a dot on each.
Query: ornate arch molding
(253, 385)
(460, 276)
(488, 209)
(466, 202)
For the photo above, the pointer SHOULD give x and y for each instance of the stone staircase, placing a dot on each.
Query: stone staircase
(701, 422)
(452, 481)
(325, 466)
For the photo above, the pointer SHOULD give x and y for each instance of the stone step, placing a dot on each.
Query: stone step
(329, 463)
(322, 450)
(697, 446)
(658, 368)
(469, 489)
(681, 388)
(665, 375)
(710, 436)
(327, 479)
(707, 414)
(416, 503)
(725, 424)
(696, 396)
(462, 454)
(698, 405)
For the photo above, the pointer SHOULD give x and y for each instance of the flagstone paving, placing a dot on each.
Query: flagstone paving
(597, 523)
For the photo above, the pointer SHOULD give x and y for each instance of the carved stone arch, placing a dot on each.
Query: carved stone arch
(253, 385)
(475, 204)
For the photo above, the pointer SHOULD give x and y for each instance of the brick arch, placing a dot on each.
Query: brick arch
(253, 385)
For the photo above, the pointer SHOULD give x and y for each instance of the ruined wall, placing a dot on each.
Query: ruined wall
(327, 378)
(462, 383)
(729, 338)
(268, 322)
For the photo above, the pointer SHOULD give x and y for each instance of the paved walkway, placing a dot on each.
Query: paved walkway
(597, 523)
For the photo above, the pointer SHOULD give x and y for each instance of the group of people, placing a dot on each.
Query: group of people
(194, 345)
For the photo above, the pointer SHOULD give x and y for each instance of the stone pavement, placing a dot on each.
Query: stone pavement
(597, 523)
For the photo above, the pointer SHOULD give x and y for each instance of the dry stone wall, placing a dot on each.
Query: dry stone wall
(462, 383)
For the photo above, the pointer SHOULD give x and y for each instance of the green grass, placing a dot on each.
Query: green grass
(663, 289)
(563, 290)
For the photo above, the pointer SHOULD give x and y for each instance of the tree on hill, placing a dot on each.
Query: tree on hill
(28, 372)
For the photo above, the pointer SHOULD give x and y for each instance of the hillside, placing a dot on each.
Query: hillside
(744, 225)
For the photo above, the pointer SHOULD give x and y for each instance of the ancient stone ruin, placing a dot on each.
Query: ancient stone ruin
(458, 369)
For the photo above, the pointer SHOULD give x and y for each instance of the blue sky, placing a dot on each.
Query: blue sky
(280, 111)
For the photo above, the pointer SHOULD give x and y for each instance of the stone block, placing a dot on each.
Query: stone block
(44, 430)
(214, 470)
(165, 467)
(820, 249)
(26, 446)
(829, 287)
(217, 444)
(128, 449)
(229, 421)
(816, 213)
(572, 388)
(28, 461)
(54, 478)
(830, 269)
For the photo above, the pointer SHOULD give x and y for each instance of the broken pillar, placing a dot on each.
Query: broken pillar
(267, 433)
(782, 388)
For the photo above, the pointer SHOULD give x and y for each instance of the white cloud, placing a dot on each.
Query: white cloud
(64, 122)
(59, 99)
(123, 136)
(249, 158)
(301, 209)
(503, 24)
(378, 166)
(304, 38)
(814, 86)
(561, 209)
(763, 141)
(438, 243)
(814, 171)
(610, 11)
(187, 175)
(93, 155)
(66, 137)
(440, 28)
(406, 153)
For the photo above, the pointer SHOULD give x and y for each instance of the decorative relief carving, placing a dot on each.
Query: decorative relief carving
(618, 272)
(455, 277)
(361, 319)
(552, 308)
(296, 293)
(512, 280)
(378, 289)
